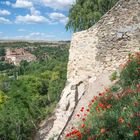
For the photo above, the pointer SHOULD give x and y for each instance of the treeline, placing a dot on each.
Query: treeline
(20, 44)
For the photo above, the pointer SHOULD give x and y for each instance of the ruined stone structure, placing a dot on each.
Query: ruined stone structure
(15, 56)
(94, 54)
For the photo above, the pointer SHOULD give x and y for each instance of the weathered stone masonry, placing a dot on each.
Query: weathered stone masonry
(94, 54)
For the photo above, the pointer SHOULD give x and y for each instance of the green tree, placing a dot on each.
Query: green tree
(2, 52)
(85, 13)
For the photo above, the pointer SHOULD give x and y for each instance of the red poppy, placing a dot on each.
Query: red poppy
(78, 115)
(79, 135)
(109, 106)
(83, 125)
(100, 94)
(89, 105)
(121, 120)
(82, 109)
(74, 131)
(97, 109)
(139, 127)
(138, 114)
(136, 133)
(90, 138)
(136, 104)
(128, 61)
(101, 105)
(128, 125)
(83, 119)
(107, 90)
(92, 101)
(95, 97)
(67, 135)
(102, 130)
(85, 114)
(130, 91)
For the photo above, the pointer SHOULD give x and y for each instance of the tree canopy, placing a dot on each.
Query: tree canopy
(29, 92)
(85, 13)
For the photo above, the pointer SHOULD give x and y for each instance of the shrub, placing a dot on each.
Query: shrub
(130, 76)
(114, 76)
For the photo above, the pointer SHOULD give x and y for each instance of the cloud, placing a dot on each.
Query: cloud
(31, 36)
(36, 34)
(19, 37)
(23, 4)
(21, 30)
(30, 19)
(4, 20)
(34, 11)
(58, 4)
(34, 17)
(8, 3)
(4, 12)
(58, 17)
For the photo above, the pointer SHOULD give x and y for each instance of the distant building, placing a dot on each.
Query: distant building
(15, 56)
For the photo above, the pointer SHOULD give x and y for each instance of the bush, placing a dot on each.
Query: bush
(130, 76)
(114, 76)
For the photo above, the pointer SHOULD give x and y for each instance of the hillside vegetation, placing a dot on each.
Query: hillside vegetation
(115, 113)
(30, 92)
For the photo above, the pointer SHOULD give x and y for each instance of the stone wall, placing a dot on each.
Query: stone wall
(107, 44)
(94, 54)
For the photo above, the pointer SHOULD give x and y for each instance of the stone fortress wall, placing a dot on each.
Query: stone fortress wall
(107, 44)
(94, 54)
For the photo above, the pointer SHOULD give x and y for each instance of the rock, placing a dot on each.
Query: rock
(81, 90)
(119, 35)
(73, 87)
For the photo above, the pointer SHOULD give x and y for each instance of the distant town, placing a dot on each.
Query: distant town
(16, 51)
(15, 56)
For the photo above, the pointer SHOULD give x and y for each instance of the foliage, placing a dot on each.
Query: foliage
(114, 76)
(3, 98)
(5, 66)
(113, 115)
(84, 13)
(2, 52)
(29, 92)
(131, 73)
